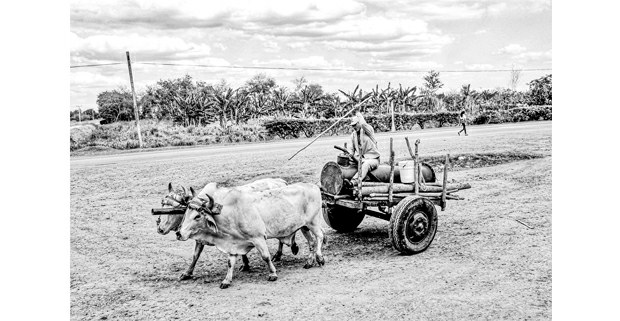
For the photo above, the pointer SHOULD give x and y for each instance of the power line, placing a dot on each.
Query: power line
(334, 69)
(315, 69)
(96, 65)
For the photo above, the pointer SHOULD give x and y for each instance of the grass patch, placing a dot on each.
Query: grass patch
(123, 135)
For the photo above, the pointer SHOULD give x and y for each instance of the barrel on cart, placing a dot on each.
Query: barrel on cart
(407, 200)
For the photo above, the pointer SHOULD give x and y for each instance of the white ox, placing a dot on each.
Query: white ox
(179, 198)
(240, 221)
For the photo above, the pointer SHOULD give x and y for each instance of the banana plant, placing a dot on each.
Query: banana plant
(220, 105)
(334, 105)
(356, 97)
(281, 100)
(308, 100)
(189, 108)
(260, 104)
(388, 96)
(405, 97)
(465, 92)
(240, 108)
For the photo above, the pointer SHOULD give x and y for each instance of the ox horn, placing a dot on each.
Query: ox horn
(184, 191)
(170, 187)
(211, 201)
(191, 189)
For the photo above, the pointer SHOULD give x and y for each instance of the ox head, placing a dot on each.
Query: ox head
(174, 198)
(199, 216)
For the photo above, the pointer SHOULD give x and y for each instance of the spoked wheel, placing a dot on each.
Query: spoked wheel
(342, 219)
(413, 225)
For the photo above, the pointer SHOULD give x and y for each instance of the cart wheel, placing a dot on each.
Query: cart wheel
(342, 219)
(413, 225)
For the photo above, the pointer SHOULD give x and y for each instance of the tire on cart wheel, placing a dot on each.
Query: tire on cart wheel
(413, 225)
(342, 219)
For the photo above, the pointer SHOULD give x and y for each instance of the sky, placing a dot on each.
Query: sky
(394, 42)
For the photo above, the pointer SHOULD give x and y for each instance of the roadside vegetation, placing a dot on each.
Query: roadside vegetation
(183, 111)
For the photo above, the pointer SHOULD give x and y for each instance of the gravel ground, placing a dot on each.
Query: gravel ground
(481, 265)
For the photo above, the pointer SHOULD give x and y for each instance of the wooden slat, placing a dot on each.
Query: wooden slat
(350, 204)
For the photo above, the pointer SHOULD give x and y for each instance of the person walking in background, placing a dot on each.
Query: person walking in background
(462, 120)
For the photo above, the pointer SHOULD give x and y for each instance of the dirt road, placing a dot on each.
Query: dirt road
(481, 265)
(291, 146)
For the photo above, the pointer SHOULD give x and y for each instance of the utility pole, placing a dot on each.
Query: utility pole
(392, 107)
(135, 102)
(80, 113)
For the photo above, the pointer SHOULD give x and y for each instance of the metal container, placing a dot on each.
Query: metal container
(406, 171)
(343, 160)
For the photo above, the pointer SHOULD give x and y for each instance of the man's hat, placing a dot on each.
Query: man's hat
(355, 119)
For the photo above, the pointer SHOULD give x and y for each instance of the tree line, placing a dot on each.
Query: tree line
(193, 102)
(83, 115)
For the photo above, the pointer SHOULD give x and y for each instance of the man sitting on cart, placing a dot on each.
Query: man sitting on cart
(364, 135)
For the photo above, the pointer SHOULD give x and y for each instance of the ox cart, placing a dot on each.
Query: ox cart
(405, 197)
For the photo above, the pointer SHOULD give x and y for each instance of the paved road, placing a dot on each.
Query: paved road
(294, 145)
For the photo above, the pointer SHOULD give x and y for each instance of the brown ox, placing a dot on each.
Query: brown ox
(180, 198)
(242, 220)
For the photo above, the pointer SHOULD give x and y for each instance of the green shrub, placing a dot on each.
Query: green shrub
(294, 127)
(513, 115)
(123, 135)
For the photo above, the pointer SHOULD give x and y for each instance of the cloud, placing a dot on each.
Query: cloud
(522, 56)
(537, 5)
(427, 43)
(219, 46)
(511, 49)
(440, 11)
(83, 83)
(400, 43)
(455, 10)
(356, 34)
(269, 43)
(429, 9)
(146, 47)
(368, 29)
(298, 44)
(421, 65)
(479, 66)
(534, 56)
(171, 14)
(346, 25)
(294, 12)
(161, 14)
(306, 62)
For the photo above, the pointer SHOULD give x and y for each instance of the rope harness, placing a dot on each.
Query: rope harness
(205, 206)
(180, 199)
(174, 199)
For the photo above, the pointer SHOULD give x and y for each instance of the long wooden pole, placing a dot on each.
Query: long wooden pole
(358, 144)
(416, 169)
(391, 188)
(330, 127)
(135, 101)
(406, 194)
(407, 188)
(409, 148)
(393, 127)
(445, 183)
